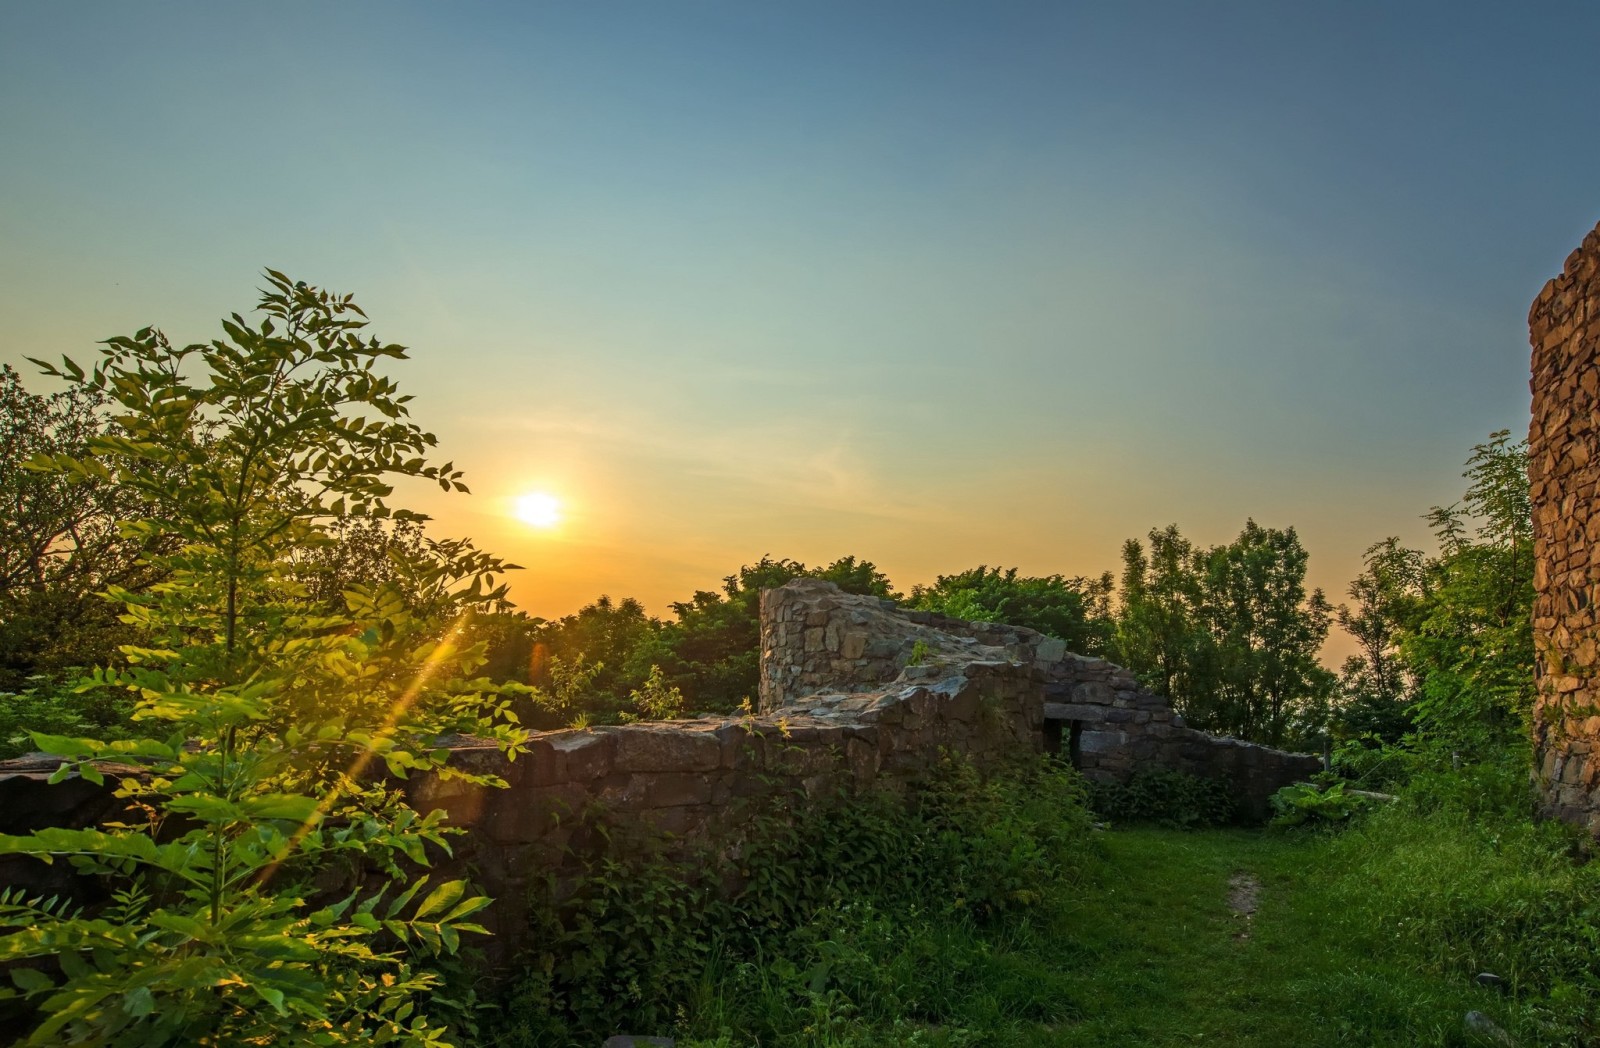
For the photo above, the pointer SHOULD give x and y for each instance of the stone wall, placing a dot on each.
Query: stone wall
(855, 694)
(819, 643)
(1564, 476)
(697, 780)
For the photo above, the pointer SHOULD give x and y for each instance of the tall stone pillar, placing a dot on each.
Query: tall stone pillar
(1564, 473)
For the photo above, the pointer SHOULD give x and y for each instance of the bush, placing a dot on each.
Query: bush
(1308, 804)
(1168, 798)
(857, 903)
(55, 710)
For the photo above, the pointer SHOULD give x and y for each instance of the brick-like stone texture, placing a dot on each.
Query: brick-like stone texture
(819, 644)
(1564, 479)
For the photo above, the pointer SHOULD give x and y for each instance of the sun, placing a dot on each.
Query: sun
(539, 509)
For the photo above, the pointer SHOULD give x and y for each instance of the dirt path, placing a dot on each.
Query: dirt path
(1244, 890)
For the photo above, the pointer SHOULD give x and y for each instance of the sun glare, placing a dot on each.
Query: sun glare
(539, 509)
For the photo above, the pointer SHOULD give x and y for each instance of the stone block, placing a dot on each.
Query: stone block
(1101, 742)
(642, 748)
(661, 789)
(585, 753)
(1094, 693)
(1050, 650)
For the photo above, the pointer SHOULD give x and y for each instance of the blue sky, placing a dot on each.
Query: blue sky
(933, 284)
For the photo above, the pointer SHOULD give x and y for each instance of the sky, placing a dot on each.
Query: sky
(930, 284)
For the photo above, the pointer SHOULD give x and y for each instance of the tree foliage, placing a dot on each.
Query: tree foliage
(1230, 633)
(1376, 688)
(1077, 610)
(61, 545)
(1446, 641)
(268, 716)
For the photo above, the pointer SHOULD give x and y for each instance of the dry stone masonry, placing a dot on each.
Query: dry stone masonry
(820, 646)
(1564, 476)
(855, 694)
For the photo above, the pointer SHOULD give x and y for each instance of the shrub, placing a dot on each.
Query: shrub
(264, 715)
(835, 906)
(1168, 798)
(1308, 804)
(55, 710)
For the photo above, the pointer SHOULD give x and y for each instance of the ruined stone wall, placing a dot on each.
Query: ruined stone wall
(855, 694)
(697, 780)
(1564, 476)
(817, 640)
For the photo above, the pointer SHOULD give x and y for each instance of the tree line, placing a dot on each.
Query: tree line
(201, 576)
(1229, 633)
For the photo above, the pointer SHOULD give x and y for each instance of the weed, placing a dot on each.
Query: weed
(1167, 798)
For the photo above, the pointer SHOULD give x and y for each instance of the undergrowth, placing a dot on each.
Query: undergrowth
(1167, 798)
(985, 912)
(856, 913)
(1458, 879)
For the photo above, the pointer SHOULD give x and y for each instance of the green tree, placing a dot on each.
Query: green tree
(269, 715)
(366, 550)
(60, 547)
(1156, 633)
(1266, 631)
(1469, 641)
(1077, 610)
(1446, 641)
(615, 642)
(1229, 634)
(1376, 688)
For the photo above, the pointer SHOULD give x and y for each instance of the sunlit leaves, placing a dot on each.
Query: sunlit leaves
(279, 716)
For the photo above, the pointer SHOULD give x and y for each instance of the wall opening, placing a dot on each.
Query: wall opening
(1064, 739)
(1052, 738)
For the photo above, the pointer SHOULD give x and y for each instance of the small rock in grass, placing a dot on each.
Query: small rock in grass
(1483, 1029)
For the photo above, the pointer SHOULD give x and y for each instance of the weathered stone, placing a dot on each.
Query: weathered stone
(827, 722)
(1072, 711)
(1564, 468)
(662, 748)
(1094, 693)
(587, 754)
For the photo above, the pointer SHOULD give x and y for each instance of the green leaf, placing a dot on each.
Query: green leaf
(293, 806)
(139, 1001)
(273, 996)
(30, 981)
(441, 898)
(63, 746)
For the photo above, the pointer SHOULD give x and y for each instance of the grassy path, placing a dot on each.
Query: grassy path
(1152, 954)
(1148, 950)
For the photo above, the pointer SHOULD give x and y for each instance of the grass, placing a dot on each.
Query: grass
(1156, 957)
(993, 916)
(1145, 952)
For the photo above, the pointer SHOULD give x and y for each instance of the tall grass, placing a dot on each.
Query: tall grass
(1456, 879)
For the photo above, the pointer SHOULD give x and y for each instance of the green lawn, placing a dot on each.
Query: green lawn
(1151, 954)
(1145, 951)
